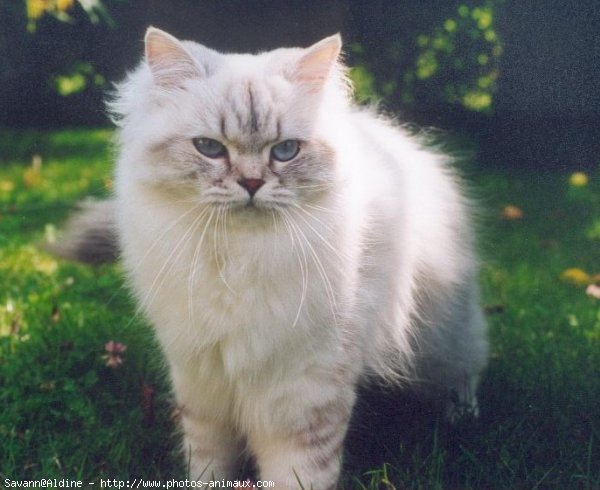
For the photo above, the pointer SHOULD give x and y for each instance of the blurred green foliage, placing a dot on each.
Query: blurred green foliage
(420, 58)
(451, 59)
(77, 79)
(62, 11)
(81, 74)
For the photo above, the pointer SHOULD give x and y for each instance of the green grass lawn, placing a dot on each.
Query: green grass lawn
(65, 414)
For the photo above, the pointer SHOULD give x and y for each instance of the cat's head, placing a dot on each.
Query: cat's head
(236, 130)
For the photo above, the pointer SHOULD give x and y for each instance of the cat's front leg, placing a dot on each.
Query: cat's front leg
(309, 455)
(211, 446)
(212, 452)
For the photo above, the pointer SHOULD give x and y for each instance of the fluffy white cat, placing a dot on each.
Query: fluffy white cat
(287, 246)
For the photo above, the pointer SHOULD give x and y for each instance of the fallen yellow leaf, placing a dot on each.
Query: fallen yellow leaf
(6, 185)
(32, 177)
(576, 276)
(578, 179)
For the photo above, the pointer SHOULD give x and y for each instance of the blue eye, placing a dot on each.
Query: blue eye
(286, 150)
(209, 148)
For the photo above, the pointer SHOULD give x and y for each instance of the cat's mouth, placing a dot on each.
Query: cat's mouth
(260, 206)
(251, 205)
(266, 200)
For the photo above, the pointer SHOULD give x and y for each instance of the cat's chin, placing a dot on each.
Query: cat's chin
(249, 216)
(253, 207)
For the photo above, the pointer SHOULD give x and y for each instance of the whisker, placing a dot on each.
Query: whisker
(275, 225)
(140, 262)
(220, 211)
(322, 209)
(302, 263)
(175, 253)
(151, 248)
(316, 232)
(194, 268)
(316, 186)
(164, 233)
(320, 269)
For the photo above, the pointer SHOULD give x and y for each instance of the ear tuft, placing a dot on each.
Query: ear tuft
(168, 59)
(318, 61)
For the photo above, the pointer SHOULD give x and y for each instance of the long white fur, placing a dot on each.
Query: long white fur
(269, 318)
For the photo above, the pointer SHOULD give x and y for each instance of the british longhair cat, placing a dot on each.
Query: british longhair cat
(286, 246)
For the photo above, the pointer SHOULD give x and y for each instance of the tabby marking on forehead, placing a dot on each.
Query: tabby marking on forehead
(252, 109)
(250, 116)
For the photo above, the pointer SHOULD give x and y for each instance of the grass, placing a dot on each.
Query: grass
(65, 414)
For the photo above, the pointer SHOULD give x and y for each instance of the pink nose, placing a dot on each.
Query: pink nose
(251, 185)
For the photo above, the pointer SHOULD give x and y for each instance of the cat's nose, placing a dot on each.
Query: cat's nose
(251, 185)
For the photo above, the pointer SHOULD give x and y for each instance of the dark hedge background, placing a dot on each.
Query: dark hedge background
(542, 63)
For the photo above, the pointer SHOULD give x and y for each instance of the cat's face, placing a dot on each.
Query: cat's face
(238, 131)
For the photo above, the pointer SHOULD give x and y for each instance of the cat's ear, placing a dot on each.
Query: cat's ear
(169, 61)
(317, 62)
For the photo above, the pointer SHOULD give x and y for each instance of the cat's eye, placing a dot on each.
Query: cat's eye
(210, 148)
(286, 150)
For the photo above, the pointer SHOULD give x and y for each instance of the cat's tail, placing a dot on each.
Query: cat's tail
(90, 235)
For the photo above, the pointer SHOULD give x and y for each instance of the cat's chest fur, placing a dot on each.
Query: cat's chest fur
(250, 289)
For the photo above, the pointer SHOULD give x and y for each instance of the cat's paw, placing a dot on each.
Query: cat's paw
(459, 409)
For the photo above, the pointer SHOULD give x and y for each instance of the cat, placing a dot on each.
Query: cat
(287, 247)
